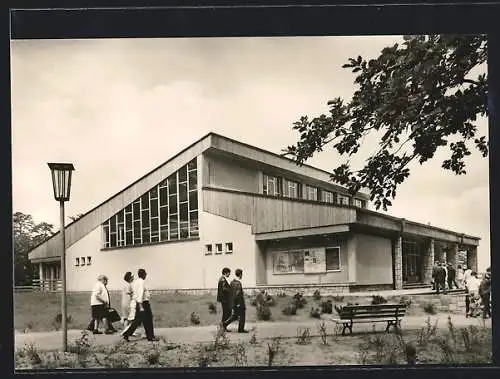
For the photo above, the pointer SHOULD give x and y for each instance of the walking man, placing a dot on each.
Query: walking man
(452, 277)
(143, 314)
(224, 295)
(485, 293)
(439, 276)
(239, 308)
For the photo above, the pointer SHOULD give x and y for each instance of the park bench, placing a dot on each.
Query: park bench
(390, 313)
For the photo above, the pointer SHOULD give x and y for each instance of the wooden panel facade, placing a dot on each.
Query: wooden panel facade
(270, 214)
(101, 213)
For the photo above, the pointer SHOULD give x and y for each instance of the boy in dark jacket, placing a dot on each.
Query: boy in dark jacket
(239, 307)
(485, 293)
(225, 295)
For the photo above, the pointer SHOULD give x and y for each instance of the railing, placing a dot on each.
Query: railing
(50, 285)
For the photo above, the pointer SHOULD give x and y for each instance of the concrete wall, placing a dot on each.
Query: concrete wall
(228, 174)
(374, 260)
(215, 229)
(172, 265)
(302, 278)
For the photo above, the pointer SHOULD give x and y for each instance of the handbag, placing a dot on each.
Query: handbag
(113, 315)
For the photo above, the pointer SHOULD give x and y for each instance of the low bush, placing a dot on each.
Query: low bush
(290, 310)
(405, 300)
(303, 336)
(195, 318)
(429, 308)
(212, 307)
(315, 312)
(327, 306)
(57, 322)
(270, 301)
(264, 312)
(377, 299)
(317, 295)
(299, 300)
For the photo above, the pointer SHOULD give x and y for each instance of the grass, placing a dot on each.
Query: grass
(170, 310)
(446, 345)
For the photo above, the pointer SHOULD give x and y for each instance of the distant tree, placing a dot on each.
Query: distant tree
(417, 96)
(76, 217)
(27, 235)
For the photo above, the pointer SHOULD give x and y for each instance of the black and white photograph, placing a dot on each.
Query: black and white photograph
(251, 201)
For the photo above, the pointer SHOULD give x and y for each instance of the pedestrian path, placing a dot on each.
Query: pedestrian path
(200, 334)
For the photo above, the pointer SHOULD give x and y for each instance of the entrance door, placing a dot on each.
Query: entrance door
(412, 263)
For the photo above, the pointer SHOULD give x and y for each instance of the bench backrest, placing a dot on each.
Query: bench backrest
(372, 311)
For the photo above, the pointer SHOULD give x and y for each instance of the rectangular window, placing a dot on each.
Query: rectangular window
(359, 203)
(327, 196)
(145, 218)
(208, 250)
(105, 230)
(172, 204)
(154, 208)
(77, 263)
(193, 180)
(184, 229)
(182, 192)
(145, 201)
(164, 216)
(136, 210)
(163, 232)
(193, 200)
(121, 235)
(119, 215)
(193, 224)
(183, 210)
(229, 247)
(112, 224)
(192, 164)
(332, 255)
(146, 235)
(271, 185)
(343, 200)
(183, 174)
(311, 193)
(288, 262)
(172, 184)
(128, 221)
(128, 238)
(128, 208)
(155, 225)
(82, 261)
(112, 242)
(174, 227)
(218, 248)
(291, 189)
(163, 196)
(89, 261)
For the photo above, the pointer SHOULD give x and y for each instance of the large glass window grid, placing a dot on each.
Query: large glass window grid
(327, 196)
(272, 185)
(169, 211)
(312, 193)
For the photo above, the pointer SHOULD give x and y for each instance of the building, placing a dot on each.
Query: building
(221, 203)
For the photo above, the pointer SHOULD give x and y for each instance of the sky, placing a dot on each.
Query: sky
(117, 108)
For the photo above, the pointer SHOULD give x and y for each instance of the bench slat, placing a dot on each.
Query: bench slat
(371, 316)
(354, 321)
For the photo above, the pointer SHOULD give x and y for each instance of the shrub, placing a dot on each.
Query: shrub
(152, 357)
(299, 300)
(429, 308)
(327, 306)
(253, 339)
(406, 300)
(212, 307)
(290, 310)
(323, 332)
(263, 312)
(57, 321)
(260, 298)
(31, 353)
(317, 295)
(270, 301)
(426, 333)
(377, 299)
(303, 336)
(273, 349)
(240, 355)
(315, 312)
(195, 318)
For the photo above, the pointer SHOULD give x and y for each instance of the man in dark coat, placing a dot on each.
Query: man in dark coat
(239, 308)
(225, 295)
(485, 293)
(439, 276)
(452, 276)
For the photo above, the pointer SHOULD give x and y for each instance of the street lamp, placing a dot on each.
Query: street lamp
(61, 182)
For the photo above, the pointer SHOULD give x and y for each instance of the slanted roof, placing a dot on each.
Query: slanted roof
(102, 212)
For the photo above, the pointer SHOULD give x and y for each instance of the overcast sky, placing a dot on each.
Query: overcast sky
(119, 108)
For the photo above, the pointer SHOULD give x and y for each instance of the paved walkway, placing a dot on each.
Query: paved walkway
(196, 334)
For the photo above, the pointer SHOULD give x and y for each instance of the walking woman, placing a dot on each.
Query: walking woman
(99, 303)
(127, 300)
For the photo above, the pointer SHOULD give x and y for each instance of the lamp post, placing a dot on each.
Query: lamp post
(61, 182)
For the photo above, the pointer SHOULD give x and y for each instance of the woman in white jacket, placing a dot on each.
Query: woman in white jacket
(99, 303)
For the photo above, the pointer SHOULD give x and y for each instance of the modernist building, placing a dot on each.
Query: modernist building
(220, 203)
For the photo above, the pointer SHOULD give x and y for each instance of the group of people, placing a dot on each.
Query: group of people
(478, 291)
(232, 298)
(136, 308)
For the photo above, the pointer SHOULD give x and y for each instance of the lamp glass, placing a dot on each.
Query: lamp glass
(61, 180)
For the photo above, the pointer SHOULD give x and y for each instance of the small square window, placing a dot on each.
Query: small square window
(229, 247)
(89, 261)
(218, 248)
(77, 263)
(82, 260)
(208, 249)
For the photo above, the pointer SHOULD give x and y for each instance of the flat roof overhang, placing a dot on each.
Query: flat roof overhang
(46, 259)
(306, 232)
